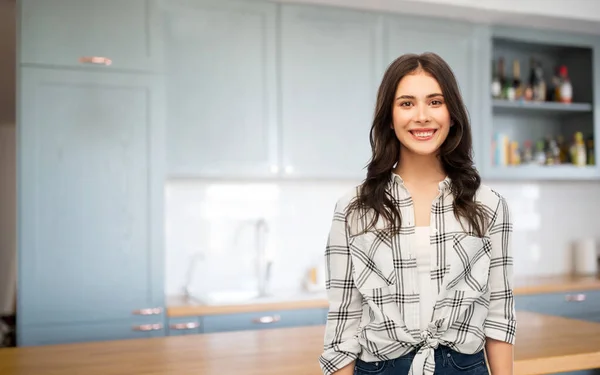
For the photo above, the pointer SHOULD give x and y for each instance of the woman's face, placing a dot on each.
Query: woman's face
(421, 119)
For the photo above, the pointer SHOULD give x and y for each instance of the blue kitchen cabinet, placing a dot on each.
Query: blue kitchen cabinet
(264, 320)
(221, 69)
(84, 33)
(182, 326)
(584, 305)
(90, 216)
(331, 66)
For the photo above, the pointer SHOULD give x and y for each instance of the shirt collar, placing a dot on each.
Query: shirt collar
(443, 185)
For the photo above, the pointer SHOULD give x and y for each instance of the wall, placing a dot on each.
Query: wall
(7, 156)
(204, 216)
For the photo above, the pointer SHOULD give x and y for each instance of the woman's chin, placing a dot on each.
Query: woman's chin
(422, 149)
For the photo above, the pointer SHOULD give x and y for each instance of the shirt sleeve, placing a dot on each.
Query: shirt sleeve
(501, 322)
(341, 345)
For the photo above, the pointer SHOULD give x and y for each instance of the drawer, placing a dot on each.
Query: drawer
(263, 320)
(189, 325)
(577, 304)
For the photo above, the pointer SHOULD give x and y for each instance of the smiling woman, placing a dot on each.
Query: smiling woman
(419, 263)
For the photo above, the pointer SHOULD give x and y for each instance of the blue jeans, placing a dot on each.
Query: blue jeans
(447, 362)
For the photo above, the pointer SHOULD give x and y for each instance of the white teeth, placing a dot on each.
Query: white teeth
(423, 134)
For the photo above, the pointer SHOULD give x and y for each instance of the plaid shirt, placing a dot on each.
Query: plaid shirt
(372, 284)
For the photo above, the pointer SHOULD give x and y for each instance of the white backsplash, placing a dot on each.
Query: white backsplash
(216, 220)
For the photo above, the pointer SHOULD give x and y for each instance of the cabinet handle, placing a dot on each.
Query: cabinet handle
(183, 326)
(96, 60)
(575, 297)
(151, 311)
(267, 319)
(148, 327)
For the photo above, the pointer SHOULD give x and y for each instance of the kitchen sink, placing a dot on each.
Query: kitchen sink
(250, 297)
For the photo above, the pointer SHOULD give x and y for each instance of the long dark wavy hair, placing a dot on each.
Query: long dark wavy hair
(455, 153)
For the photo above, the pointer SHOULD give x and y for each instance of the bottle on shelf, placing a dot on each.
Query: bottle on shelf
(497, 84)
(528, 93)
(552, 152)
(554, 88)
(527, 157)
(591, 158)
(514, 156)
(565, 87)
(540, 155)
(578, 151)
(517, 85)
(539, 85)
(563, 155)
(505, 83)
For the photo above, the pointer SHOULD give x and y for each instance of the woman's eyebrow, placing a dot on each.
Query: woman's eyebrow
(412, 97)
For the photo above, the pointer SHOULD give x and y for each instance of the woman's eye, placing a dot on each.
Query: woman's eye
(436, 102)
(405, 104)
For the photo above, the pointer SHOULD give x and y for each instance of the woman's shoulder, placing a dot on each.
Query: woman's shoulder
(489, 197)
(346, 198)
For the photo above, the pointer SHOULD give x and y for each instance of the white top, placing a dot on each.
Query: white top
(422, 251)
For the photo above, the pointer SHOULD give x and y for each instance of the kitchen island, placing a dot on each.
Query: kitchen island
(545, 344)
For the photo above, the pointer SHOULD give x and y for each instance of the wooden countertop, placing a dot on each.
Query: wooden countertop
(555, 284)
(545, 344)
(179, 307)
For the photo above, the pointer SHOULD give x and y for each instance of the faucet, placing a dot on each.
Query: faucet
(187, 292)
(263, 265)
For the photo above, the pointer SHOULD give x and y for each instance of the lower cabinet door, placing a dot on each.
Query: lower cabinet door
(87, 332)
(263, 320)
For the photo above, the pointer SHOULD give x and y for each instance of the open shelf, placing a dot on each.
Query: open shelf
(543, 129)
(552, 108)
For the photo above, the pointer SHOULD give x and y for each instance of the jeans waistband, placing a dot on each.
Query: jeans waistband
(441, 352)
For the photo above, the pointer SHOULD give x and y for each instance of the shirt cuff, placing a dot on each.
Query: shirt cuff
(339, 356)
(501, 330)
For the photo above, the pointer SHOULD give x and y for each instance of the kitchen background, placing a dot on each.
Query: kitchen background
(212, 232)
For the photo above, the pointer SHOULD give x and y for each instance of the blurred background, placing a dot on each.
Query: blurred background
(171, 167)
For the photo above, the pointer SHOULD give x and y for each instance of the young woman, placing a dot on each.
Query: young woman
(419, 263)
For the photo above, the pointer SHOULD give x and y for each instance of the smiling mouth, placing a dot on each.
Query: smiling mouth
(423, 134)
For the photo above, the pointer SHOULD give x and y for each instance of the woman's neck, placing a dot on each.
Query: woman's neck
(420, 168)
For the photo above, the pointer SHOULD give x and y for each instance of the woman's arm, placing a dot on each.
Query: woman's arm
(500, 356)
(347, 370)
(345, 302)
(500, 325)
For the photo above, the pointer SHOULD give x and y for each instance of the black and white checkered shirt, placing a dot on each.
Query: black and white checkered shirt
(372, 284)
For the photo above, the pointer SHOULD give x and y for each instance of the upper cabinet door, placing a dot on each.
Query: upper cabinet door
(90, 206)
(331, 65)
(221, 87)
(91, 33)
